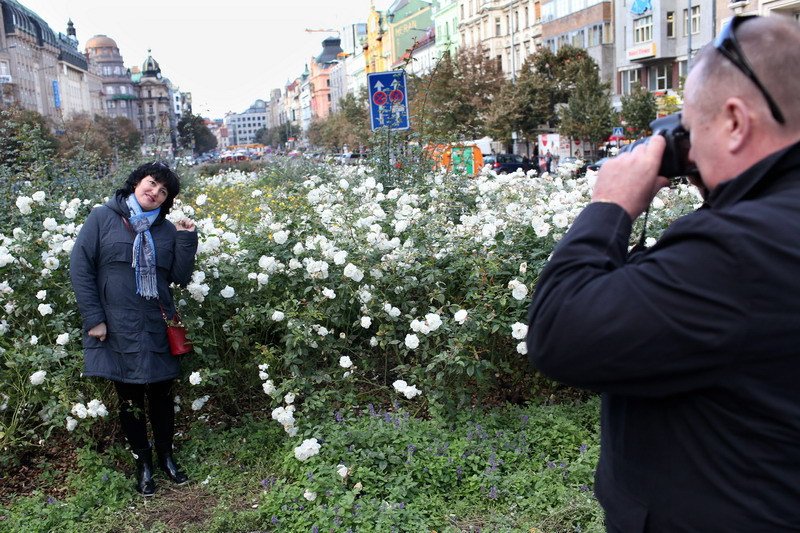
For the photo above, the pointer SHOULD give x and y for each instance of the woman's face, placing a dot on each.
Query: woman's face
(150, 194)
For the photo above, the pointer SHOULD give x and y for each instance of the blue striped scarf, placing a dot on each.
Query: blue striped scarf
(144, 248)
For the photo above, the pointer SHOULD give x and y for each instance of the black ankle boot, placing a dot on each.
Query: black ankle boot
(167, 463)
(144, 472)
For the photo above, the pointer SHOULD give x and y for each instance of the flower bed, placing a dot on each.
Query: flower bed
(315, 288)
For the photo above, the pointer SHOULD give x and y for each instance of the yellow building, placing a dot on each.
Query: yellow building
(377, 48)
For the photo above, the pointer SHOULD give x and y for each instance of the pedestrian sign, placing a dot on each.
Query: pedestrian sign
(388, 100)
(617, 132)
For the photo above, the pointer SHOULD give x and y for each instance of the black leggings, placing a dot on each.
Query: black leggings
(161, 409)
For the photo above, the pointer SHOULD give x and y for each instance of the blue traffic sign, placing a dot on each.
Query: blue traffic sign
(617, 132)
(388, 101)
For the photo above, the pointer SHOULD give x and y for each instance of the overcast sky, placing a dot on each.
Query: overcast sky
(226, 53)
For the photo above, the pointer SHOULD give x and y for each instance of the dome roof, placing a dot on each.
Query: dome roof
(150, 66)
(101, 41)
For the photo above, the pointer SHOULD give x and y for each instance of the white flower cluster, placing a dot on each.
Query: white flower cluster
(409, 391)
(518, 289)
(198, 403)
(197, 289)
(307, 449)
(92, 409)
(431, 323)
(195, 379)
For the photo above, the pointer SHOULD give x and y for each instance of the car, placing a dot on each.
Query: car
(595, 166)
(504, 163)
(353, 158)
(573, 164)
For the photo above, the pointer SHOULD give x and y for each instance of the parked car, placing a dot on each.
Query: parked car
(595, 166)
(504, 163)
(571, 163)
(353, 158)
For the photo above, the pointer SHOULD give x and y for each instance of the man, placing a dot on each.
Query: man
(694, 342)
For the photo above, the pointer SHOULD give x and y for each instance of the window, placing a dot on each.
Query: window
(527, 17)
(695, 19)
(4, 70)
(660, 78)
(577, 39)
(516, 20)
(643, 29)
(595, 35)
(462, 12)
(670, 24)
(630, 79)
(682, 72)
(497, 27)
(110, 89)
(499, 61)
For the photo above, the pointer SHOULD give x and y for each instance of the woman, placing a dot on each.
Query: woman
(124, 259)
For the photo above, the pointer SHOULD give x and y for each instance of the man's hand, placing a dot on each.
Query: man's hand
(98, 332)
(631, 179)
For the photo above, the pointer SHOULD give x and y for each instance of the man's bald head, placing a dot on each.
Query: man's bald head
(772, 46)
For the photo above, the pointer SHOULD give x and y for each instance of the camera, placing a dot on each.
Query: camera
(675, 162)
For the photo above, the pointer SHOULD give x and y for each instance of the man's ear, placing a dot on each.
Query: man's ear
(738, 124)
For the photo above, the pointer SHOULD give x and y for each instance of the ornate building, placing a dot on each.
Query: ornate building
(39, 69)
(119, 92)
(157, 120)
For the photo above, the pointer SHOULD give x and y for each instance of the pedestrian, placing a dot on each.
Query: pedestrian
(548, 161)
(694, 342)
(125, 257)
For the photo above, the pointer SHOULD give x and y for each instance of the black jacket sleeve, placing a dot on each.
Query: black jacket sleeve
(83, 271)
(655, 324)
(183, 262)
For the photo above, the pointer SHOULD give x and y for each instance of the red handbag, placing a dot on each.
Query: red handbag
(179, 343)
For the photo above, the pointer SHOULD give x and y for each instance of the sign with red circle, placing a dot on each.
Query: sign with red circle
(396, 96)
(380, 98)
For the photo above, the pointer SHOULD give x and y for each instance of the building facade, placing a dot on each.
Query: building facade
(39, 69)
(319, 77)
(508, 31)
(444, 14)
(410, 26)
(120, 96)
(242, 127)
(377, 50)
(586, 24)
(655, 39)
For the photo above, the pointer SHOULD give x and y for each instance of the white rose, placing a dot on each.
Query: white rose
(195, 378)
(71, 423)
(277, 316)
(366, 322)
(37, 378)
(62, 339)
(280, 237)
(342, 471)
(289, 398)
(50, 224)
(412, 341)
(38, 196)
(310, 495)
(519, 330)
(522, 348)
(227, 292)
(201, 200)
(45, 309)
(345, 362)
(460, 316)
(41, 295)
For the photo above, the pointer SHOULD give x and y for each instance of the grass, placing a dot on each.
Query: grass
(510, 468)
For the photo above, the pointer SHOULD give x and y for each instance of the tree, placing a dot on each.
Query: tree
(545, 80)
(588, 114)
(638, 111)
(26, 144)
(194, 134)
(452, 101)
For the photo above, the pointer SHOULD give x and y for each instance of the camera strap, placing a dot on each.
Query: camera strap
(640, 246)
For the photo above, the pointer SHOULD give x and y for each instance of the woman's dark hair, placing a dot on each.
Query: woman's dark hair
(162, 174)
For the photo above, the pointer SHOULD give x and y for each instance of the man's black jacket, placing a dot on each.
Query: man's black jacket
(695, 345)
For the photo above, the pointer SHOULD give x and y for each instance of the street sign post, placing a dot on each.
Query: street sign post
(388, 101)
(617, 132)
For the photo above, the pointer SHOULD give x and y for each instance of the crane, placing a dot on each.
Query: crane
(313, 30)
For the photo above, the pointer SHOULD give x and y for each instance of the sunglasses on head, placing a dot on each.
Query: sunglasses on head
(728, 46)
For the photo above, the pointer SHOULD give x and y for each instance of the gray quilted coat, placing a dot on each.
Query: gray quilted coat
(135, 349)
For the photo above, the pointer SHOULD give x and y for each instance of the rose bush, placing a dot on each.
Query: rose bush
(315, 288)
